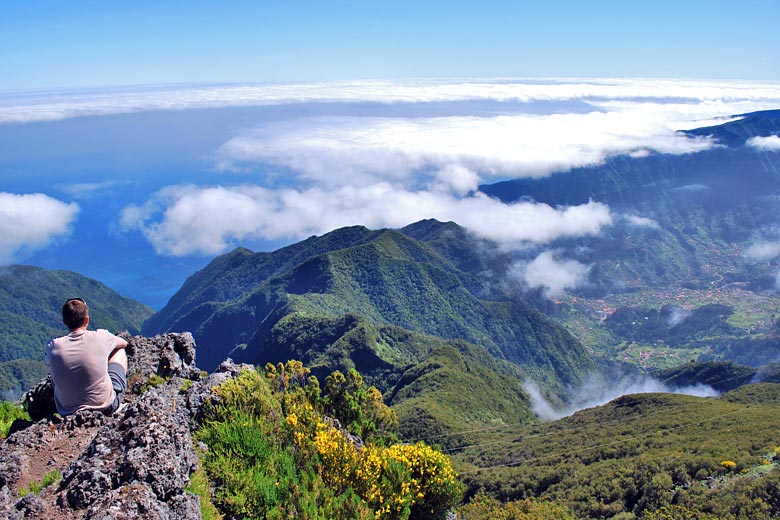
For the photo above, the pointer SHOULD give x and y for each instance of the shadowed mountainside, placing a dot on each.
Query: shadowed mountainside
(674, 214)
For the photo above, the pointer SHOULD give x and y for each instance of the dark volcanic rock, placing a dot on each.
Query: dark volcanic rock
(132, 464)
(39, 400)
(139, 501)
(151, 444)
(31, 505)
(166, 355)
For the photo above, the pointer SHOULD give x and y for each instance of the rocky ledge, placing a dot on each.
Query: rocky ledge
(134, 464)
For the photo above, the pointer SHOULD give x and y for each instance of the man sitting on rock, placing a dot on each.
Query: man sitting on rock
(88, 368)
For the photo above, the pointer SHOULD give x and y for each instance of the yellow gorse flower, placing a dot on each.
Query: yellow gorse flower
(368, 470)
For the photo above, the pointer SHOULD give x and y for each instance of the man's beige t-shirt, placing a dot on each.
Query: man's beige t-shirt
(79, 370)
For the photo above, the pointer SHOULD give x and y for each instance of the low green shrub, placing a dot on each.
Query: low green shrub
(9, 412)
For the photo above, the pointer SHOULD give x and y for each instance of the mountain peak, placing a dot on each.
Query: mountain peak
(735, 133)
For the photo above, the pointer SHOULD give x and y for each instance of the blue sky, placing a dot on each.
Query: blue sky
(45, 44)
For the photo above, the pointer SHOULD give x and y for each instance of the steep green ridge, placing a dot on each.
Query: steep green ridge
(456, 393)
(436, 387)
(229, 276)
(641, 454)
(31, 299)
(387, 278)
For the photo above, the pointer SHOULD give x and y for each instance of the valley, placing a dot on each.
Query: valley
(753, 316)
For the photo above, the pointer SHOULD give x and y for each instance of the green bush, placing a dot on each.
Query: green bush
(9, 412)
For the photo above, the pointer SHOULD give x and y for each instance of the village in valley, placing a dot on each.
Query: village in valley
(753, 314)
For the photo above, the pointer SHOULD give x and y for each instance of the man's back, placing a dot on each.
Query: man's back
(78, 370)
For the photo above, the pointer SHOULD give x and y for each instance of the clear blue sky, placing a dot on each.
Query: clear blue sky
(64, 43)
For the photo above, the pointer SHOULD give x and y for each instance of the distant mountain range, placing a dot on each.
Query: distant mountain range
(690, 232)
(31, 300)
(676, 215)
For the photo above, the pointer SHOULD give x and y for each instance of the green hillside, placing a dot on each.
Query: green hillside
(386, 277)
(31, 299)
(412, 316)
(435, 386)
(642, 456)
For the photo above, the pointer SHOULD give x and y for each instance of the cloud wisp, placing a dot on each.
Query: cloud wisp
(597, 391)
(640, 221)
(31, 221)
(770, 143)
(763, 250)
(552, 275)
(183, 220)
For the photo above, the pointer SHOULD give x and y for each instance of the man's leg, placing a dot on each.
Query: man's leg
(120, 357)
(117, 371)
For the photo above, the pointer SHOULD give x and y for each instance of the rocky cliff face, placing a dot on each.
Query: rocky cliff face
(134, 464)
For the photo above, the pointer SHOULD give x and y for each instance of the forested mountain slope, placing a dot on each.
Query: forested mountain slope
(31, 299)
(385, 277)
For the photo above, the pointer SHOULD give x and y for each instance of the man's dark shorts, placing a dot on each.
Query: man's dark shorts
(119, 381)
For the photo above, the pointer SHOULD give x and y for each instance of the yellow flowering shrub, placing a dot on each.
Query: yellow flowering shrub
(246, 392)
(276, 452)
(433, 484)
(398, 482)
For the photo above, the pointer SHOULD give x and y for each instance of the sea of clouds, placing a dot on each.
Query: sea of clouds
(286, 179)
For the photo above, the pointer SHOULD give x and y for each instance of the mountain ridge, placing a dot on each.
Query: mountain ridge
(387, 277)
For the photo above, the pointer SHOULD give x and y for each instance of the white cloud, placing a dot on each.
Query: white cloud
(456, 179)
(765, 144)
(337, 151)
(763, 251)
(639, 221)
(48, 105)
(181, 220)
(598, 390)
(678, 315)
(693, 188)
(31, 221)
(551, 275)
(686, 115)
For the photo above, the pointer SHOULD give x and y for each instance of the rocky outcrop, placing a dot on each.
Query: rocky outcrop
(134, 464)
